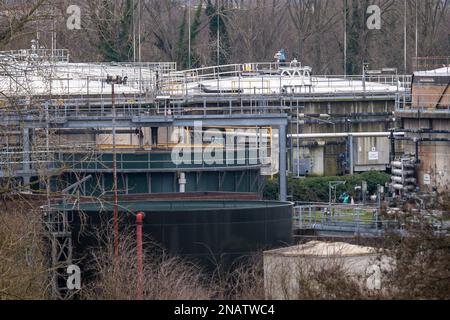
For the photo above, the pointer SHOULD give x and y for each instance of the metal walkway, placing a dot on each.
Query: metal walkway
(340, 219)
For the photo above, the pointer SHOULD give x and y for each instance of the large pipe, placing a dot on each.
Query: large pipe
(399, 164)
(397, 186)
(182, 182)
(344, 135)
(341, 121)
(425, 131)
(351, 115)
(400, 172)
(400, 180)
(424, 139)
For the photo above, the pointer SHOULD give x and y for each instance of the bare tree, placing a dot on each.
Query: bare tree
(258, 30)
(15, 18)
(312, 19)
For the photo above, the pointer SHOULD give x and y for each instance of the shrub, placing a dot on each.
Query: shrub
(315, 189)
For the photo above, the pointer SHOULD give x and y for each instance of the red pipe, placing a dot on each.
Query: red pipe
(139, 289)
(116, 196)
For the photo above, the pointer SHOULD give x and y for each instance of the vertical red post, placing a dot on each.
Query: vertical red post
(116, 196)
(139, 289)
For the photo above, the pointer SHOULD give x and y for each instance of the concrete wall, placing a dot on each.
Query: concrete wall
(125, 139)
(371, 153)
(364, 116)
(431, 97)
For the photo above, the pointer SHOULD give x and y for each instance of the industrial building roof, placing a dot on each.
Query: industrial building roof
(324, 249)
(444, 71)
(64, 78)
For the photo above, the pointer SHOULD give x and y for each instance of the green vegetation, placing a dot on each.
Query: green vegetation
(115, 42)
(182, 45)
(315, 189)
(218, 23)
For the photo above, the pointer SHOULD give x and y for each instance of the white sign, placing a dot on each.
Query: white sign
(426, 179)
(373, 155)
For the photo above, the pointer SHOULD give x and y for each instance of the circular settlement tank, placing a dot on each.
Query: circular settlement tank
(209, 232)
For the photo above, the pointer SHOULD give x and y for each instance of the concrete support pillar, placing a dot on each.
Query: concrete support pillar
(26, 156)
(291, 166)
(350, 142)
(282, 160)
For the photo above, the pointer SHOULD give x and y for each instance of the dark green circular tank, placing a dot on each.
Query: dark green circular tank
(209, 232)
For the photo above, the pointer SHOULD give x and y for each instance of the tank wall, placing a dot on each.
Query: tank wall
(167, 182)
(222, 235)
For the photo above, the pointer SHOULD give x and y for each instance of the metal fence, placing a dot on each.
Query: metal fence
(434, 102)
(340, 218)
(430, 63)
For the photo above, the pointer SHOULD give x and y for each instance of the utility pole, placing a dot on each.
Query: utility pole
(139, 46)
(134, 33)
(113, 81)
(189, 36)
(405, 37)
(218, 34)
(417, 32)
(345, 36)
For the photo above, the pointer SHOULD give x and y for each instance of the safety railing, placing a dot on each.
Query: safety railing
(129, 106)
(430, 63)
(152, 160)
(434, 102)
(86, 79)
(97, 160)
(56, 55)
(340, 218)
(271, 79)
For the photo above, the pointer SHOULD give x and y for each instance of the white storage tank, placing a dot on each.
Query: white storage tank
(284, 267)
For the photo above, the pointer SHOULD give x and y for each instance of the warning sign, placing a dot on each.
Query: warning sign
(373, 155)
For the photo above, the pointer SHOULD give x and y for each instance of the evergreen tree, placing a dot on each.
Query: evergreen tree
(115, 33)
(195, 30)
(182, 44)
(182, 58)
(354, 39)
(217, 21)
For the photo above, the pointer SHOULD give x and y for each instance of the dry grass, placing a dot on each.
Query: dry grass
(422, 264)
(164, 277)
(23, 271)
